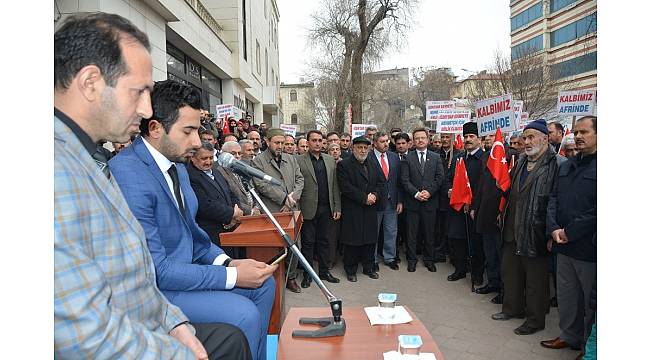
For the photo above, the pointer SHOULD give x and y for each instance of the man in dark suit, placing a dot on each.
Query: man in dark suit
(218, 207)
(446, 152)
(362, 189)
(421, 178)
(191, 271)
(389, 164)
(461, 225)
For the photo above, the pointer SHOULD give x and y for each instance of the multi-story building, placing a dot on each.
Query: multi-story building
(563, 31)
(228, 49)
(385, 97)
(299, 105)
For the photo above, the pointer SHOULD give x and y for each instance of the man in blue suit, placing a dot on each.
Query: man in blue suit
(192, 272)
(389, 164)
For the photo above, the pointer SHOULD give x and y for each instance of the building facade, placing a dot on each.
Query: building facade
(227, 49)
(386, 97)
(298, 105)
(563, 31)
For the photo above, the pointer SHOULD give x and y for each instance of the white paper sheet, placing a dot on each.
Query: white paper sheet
(394, 355)
(401, 316)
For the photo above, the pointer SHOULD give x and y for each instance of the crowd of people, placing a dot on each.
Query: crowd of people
(139, 265)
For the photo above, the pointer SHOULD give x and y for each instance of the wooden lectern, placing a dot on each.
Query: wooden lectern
(262, 241)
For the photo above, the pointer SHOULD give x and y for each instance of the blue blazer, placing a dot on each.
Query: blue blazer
(182, 252)
(392, 186)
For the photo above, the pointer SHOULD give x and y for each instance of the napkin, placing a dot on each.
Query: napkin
(401, 316)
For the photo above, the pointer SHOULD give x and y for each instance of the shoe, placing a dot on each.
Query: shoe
(293, 286)
(411, 267)
(393, 265)
(497, 299)
(526, 330)
(557, 343)
(580, 355)
(431, 267)
(554, 301)
(352, 278)
(456, 276)
(329, 277)
(487, 289)
(477, 281)
(306, 282)
(372, 274)
(375, 267)
(503, 316)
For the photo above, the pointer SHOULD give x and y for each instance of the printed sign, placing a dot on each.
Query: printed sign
(517, 109)
(523, 121)
(289, 129)
(359, 129)
(436, 108)
(493, 113)
(573, 103)
(452, 121)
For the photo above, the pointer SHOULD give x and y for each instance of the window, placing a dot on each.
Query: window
(244, 43)
(559, 4)
(575, 66)
(294, 119)
(293, 95)
(577, 29)
(526, 16)
(527, 47)
(257, 58)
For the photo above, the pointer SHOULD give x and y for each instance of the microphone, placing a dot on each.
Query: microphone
(228, 161)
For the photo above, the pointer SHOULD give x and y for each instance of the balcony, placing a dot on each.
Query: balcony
(270, 97)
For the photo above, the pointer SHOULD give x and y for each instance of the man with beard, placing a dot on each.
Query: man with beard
(362, 188)
(463, 238)
(247, 151)
(195, 274)
(525, 263)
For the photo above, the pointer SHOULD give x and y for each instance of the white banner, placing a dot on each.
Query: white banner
(517, 109)
(493, 113)
(435, 108)
(573, 103)
(289, 129)
(523, 121)
(225, 110)
(360, 129)
(452, 121)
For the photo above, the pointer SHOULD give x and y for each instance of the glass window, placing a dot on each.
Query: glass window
(212, 81)
(574, 30)
(171, 76)
(532, 13)
(294, 119)
(533, 45)
(575, 66)
(175, 64)
(293, 95)
(559, 4)
(193, 70)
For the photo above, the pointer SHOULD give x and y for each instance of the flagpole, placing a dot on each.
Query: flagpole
(469, 254)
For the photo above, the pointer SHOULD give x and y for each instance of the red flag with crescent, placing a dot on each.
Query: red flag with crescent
(498, 164)
(461, 191)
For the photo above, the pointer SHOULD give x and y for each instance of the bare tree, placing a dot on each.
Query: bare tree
(431, 84)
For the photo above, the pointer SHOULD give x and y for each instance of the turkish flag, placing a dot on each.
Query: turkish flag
(461, 191)
(458, 143)
(497, 163)
(226, 125)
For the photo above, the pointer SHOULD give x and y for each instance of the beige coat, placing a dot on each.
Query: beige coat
(288, 174)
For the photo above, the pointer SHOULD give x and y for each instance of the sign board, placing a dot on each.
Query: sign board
(452, 121)
(359, 129)
(434, 108)
(225, 110)
(493, 113)
(523, 121)
(574, 103)
(289, 129)
(517, 109)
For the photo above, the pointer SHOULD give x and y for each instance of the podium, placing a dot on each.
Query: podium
(262, 241)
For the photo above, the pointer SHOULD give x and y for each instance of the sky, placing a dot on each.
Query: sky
(460, 34)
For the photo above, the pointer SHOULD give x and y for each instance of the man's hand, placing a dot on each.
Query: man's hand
(472, 213)
(449, 193)
(559, 236)
(284, 208)
(425, 194)
(255, 210)
(252, 273)
(400, 207)
(237, 213)
(371, 199)
(466, 208)
(336, 215)
(183, 334)
(290, 202)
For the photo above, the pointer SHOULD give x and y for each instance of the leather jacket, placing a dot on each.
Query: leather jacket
(530, 215)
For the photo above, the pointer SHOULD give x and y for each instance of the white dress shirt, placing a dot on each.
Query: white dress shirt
(164, 164)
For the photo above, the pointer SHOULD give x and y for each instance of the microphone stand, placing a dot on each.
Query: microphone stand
(329, 326)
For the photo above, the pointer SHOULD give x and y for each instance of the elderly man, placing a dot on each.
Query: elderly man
(106, 302)
(568, 147)
(289, 144)
(244, 197)
(362, 191)
(571, 223)
(254, 136)
(436, 143)
(525, 262)
(247, 151)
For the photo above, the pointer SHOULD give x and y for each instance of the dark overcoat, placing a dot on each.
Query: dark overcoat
(358, 220)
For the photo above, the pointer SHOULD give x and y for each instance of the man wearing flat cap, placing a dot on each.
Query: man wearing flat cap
(361, 183)
(524, 267)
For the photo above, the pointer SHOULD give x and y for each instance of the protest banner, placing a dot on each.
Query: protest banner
(225, 110)
(289, 129)
(523, 121)
(435, 108)
(574, 103)
(360, 129)
(493, 113)
(452, 121)
(517, 109)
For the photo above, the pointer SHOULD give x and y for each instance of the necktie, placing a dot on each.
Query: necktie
(102, 162)
(422, 160)
(384, 166)
(177, 189)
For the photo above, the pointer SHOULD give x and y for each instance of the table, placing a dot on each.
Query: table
(361, 340)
